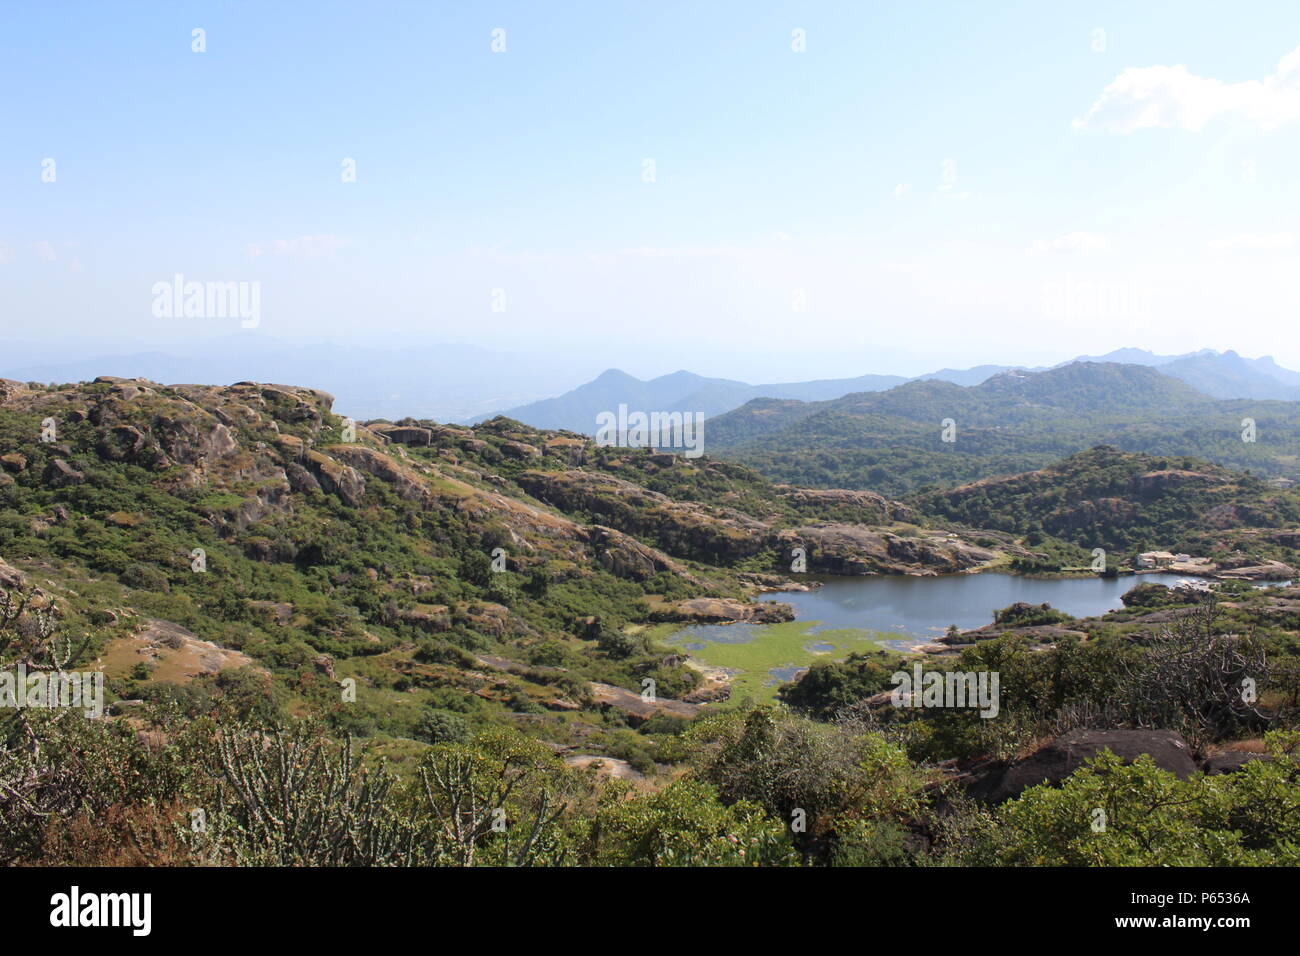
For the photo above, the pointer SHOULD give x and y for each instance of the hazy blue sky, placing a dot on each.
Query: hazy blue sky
(933, 183)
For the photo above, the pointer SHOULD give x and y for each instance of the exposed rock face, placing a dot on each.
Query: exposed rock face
(190, 442)
(300, 479)
(9, 388)
(605, 766)
(1066, 754)
(1268, 571)
(341, 480)
(405, 481)
(865, 507)
(853, 549)
(727, 611)
(177, 654)
(518, 449)
(1230, 761)
(122, 443)
(687, 530)
(1041, 633)
(626, 557)
(59, 474)
(429, 617)
(572, 450)
(490, 618)
(724, 535)
(404, 434)
(637, 709)
(10, 577)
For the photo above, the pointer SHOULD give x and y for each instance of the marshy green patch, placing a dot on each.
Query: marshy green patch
(765, 656)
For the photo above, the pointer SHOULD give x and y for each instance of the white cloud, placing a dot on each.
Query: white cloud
(45, 251)
(1171, 96)
(1277, 240)
(902, 188)
(1072, 242)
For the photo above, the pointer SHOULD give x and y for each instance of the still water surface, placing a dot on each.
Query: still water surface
(924, 607)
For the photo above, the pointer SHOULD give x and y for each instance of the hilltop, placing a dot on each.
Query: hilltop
(893, 441)
(263, 581)
(1225, 375)
(1131, 502)
(405, 554)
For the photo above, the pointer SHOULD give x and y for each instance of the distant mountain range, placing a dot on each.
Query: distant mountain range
(464, 383)
(1224, 375)
(892, 441)
(446, 382)
(680, 391)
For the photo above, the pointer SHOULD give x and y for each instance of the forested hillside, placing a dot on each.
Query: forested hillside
(894, 441)
(1131, 502)
(406, 643)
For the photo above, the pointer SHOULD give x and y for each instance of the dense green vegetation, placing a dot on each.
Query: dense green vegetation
(893, 441)
(1128, 503)
(426, 645)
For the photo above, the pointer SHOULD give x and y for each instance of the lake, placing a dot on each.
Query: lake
(864, 614)
(924, 607)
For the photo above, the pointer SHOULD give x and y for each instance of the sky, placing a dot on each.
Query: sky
(758, 190)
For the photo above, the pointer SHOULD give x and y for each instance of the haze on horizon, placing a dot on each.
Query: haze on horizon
(754, 191)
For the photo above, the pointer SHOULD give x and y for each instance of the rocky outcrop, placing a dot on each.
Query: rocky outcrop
(428, 617)
(727, 611)
(493, 619)
(854, 549)
(1039, 633)
(336, 478)
(9, 389)
(861, 507)
(690, 530)
(723, 535)
(128, 443)
(572, 450)
(300, 479)
(1230, 761)
(636, 708)
(404, 434)
(518, 449)
(605, 766)
(405, 481)
(10, 577)
(1268, 571)
(59, 474)
(625, 557)
(1063, 756)
(190, 441)
(175, 654)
